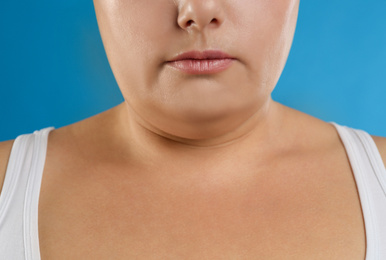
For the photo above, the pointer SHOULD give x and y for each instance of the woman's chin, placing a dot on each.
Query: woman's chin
(203, 126)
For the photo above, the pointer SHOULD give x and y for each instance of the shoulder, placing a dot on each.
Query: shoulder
(5, 151)
(381, 144)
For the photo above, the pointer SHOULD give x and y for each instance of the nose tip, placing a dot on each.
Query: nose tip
(200, 14)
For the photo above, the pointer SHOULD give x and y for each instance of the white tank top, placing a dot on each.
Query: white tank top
(19, 239)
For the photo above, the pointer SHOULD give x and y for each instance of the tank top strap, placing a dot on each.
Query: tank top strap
(20, 196)
(370, 176)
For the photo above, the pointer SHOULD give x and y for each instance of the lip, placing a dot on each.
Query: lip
(206, 62)
(204, 55)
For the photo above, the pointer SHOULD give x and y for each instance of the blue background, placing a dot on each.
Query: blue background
(54, 70)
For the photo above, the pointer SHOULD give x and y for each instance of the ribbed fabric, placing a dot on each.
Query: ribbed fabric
(370, 176)
(19, 238)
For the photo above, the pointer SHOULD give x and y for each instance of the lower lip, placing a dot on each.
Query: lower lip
(196, 67)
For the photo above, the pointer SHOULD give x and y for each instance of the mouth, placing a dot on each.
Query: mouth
(205, 55)
(206, 62)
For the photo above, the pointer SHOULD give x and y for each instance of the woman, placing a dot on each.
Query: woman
(198, 162)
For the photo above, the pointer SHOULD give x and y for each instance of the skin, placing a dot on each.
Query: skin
(199, 110)
(198, 167)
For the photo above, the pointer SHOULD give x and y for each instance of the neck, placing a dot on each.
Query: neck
(257, 136)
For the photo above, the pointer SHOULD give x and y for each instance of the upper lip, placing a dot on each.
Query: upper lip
(202, 55)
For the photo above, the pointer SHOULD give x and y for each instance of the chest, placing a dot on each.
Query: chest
(93, 218)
